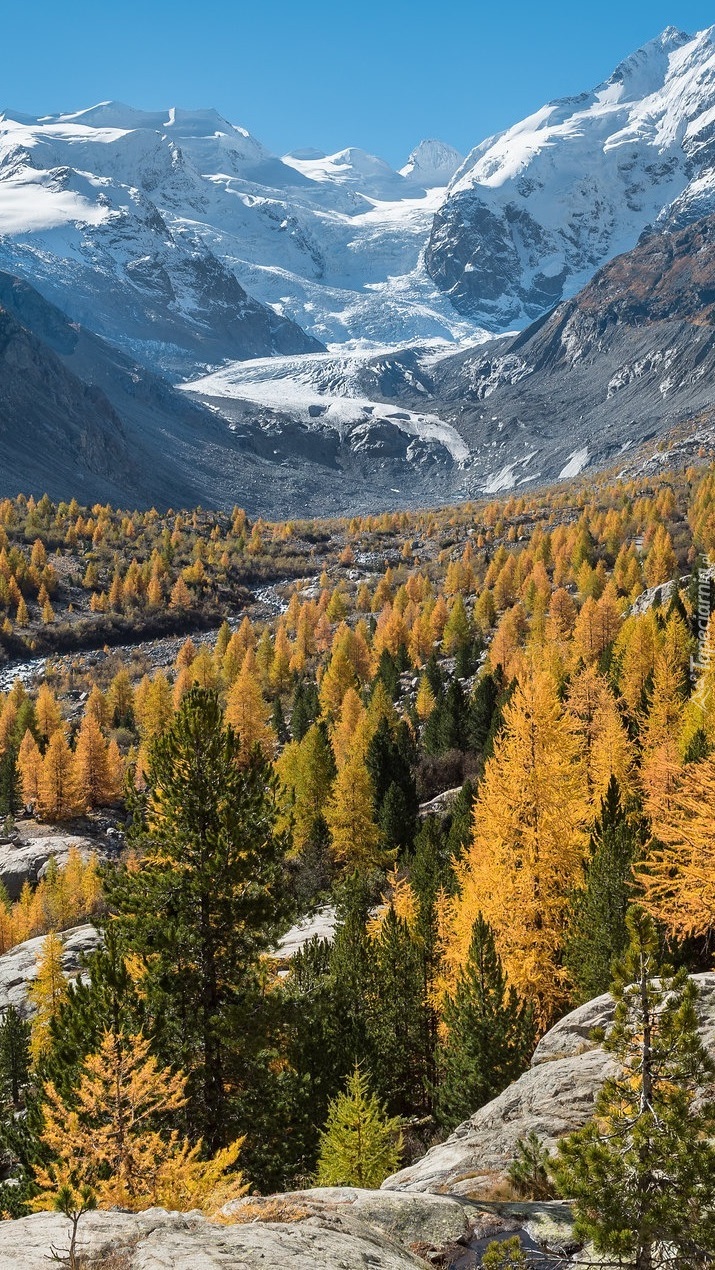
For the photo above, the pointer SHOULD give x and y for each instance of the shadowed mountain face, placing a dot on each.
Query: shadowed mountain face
(80, 418)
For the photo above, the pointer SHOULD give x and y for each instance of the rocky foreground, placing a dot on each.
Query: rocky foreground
(436, 1212)
(337, 1229)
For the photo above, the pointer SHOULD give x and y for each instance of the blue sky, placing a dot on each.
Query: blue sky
(380, 74)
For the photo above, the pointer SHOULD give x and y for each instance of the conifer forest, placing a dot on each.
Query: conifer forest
(466, 756)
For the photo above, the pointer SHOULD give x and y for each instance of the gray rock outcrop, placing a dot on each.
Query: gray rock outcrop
(24, 855)
(319, 925)
(555, 1097)
(156, 1240)
(18, 967)
(409, 1219)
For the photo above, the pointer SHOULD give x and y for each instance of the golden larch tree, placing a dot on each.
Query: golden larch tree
(678, 874)
(93, 779)
(355, 838)
(29, 762)
(59, 797)
(46, 994)
(528, 846)
(107, 1138)
(248, 711)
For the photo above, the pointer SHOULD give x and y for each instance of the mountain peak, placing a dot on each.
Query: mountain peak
(432, 163)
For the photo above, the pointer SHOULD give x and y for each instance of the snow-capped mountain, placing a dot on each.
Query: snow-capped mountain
(180, 237)
(432, 163)
(309, 304)
(183, 239)
(534, 211)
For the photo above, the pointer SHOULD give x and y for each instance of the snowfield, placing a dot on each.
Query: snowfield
(103, 208)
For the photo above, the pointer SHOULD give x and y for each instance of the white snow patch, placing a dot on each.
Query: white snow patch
(577, 462)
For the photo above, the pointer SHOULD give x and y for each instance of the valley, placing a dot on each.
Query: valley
(357, 676)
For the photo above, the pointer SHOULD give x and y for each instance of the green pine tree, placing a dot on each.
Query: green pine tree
(278, 722)
(361, 1144)
(208, 899)
(397, 1025)
(305, 708)
(482, 707)
(388, 762)
(490, 1033)
(504, 1254)
(103, 998)
(642, 1171)
(461, 821)
(14, 1058)
(10, 795)
(18, 1116)
(597, 928)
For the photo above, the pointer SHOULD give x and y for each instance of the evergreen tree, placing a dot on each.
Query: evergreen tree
(361, 1144)
(14, 1058)
(207, 900)
(490, 1033)
(388, 673)
(305, 708)
(461, 816)
(481, 709)
(395, 1017)
(446, 727)
(642, 1172)
(10, 790)
(396, 800)
(105, 997)
(504, 1254)
(395, 819)
(596, 925)
(278, 722)
(315, 1047)
(350, 964)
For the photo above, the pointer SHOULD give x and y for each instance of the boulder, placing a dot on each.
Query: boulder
(320, 924)
(24, 856)
(155, 1240)
(18, 967)
(555, 1097)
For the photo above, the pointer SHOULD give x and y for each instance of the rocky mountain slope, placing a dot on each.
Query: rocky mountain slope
(79, 418)
(603, 380)
(534, 211)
